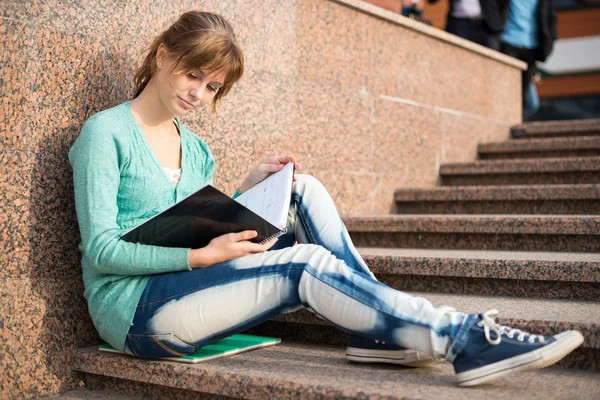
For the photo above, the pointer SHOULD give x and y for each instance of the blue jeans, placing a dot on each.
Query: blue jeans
(180, 312)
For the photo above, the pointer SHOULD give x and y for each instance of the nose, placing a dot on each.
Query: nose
(198, 92)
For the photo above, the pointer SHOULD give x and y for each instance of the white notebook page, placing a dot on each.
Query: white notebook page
(271, 198)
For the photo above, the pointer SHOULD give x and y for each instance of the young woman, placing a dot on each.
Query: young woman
(134, 160)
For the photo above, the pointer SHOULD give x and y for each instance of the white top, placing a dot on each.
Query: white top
(173, 174)
(466, 9)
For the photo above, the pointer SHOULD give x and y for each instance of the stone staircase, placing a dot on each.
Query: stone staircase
(518, 230)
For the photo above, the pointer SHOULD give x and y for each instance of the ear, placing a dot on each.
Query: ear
(161, 54)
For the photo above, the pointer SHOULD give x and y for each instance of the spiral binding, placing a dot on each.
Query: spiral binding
(280, 233)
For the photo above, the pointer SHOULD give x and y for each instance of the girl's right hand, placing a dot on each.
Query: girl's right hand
(227, 247)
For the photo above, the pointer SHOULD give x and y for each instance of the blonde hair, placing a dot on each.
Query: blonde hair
(197, 41)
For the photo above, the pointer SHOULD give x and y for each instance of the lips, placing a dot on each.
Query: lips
(186, 104)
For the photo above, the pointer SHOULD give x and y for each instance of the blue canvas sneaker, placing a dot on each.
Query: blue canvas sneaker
(493, 351)
(363, 350)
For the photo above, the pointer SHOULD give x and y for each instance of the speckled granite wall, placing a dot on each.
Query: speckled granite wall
(366, 101)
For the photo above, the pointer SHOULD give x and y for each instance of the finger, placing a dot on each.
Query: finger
(283, 160)
(271, 160)
(244, 235)
(270, 167)
(286, 159)
(289, 158)
(251, 247)
(269, 244)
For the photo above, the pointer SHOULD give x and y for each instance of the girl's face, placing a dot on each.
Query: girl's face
(184, 92)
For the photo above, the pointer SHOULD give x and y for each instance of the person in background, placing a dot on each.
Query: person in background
(532, 101)
(529, 35)
(480, 21)
(411, 7)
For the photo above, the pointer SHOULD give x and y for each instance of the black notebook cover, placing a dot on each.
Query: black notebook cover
(199, 218)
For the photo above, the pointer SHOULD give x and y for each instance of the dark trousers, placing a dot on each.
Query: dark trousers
(523, 54)
(474, 30)
(408, 11)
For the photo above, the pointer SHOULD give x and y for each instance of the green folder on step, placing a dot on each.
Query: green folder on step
(228, 346)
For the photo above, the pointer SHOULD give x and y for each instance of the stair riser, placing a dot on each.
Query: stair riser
(545, 207)
(475, 241)
(146, 390)
(581, 358)
(541, 135)
(582, 291)
(551, 178)
(540, 154)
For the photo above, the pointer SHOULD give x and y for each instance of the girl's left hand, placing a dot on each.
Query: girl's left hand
(265, 168)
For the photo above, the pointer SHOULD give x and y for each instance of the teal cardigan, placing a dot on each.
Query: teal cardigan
(119, 184)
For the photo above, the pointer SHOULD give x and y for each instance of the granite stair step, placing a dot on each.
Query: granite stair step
(582, 127)
(567, 170)
(583, 199)
(550, 275)
(86, 394)
(541, 316)
(583, 146)
(312, 371)
(564, 233)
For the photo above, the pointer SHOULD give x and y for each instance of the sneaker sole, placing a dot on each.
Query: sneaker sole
(408, 358)
(540, 358)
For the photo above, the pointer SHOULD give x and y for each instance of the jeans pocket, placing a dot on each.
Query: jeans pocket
(159, 345)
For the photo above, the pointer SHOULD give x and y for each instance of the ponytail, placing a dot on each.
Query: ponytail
(145, 72)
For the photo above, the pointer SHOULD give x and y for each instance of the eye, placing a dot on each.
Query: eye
(212, 88)
(192, 75)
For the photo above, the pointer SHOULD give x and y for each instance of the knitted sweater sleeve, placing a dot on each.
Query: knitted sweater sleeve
(96, 157)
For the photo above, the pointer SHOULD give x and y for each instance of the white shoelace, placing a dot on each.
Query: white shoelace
(489, 324)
